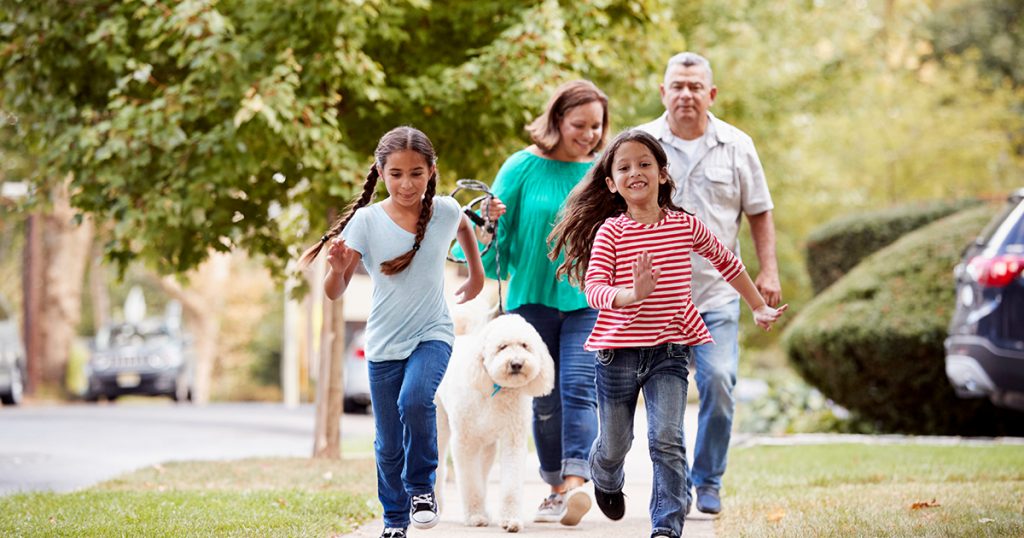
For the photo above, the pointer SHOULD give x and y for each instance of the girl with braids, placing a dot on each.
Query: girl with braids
(621, 227)
(402, 241)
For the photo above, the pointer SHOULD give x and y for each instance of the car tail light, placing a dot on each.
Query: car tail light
(360, 353)
(996, 271)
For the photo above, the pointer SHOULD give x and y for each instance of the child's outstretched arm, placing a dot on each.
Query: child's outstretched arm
(341, 263)
(467, 240)
(764, 315)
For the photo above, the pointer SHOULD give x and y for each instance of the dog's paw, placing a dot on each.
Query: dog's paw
(477, 520)
(512, 524)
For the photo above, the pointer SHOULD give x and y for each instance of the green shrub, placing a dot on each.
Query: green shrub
(839, 245)
(872, 342)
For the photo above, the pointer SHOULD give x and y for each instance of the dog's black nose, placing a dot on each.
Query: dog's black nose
(515, 367)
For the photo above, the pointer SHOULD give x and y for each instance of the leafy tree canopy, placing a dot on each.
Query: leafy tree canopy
(190, 125)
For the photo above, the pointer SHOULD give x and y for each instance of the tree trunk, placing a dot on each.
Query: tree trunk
(65, 250)
(32, 290)
(98, 292)
(330, 384)
(203, 305)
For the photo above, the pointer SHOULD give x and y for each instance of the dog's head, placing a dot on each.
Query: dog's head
(514, 356)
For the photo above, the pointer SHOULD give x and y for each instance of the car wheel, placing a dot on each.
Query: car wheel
(354, 407)
(15, 395)
(182, 392)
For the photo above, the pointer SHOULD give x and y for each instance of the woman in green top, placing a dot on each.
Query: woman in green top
(531, 187)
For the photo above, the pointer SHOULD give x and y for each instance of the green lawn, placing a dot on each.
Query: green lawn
(872, 490)
(824, 490)
(254, 497)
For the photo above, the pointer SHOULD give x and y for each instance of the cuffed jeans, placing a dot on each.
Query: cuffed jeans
(404, 415)
(716, 376)
(565, 421)
(660, 372)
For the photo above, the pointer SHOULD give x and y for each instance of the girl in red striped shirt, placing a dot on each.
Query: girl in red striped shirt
(630, 247)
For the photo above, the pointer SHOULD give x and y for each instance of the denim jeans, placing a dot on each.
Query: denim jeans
(404, 415)
(660, 372)
(716, 376)
(565, 421)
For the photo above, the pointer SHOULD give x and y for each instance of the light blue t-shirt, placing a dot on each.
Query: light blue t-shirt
(409, 307)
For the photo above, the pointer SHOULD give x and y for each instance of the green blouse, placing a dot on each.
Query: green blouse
(533, 189)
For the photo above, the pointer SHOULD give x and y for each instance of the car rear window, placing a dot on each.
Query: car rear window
(1006, 231)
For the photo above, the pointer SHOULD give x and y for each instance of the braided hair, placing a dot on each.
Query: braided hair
(397, 139)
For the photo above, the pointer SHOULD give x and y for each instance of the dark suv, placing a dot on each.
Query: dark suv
(151, 357)
(985, 348)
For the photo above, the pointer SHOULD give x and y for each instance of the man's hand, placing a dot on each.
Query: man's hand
(768, 285)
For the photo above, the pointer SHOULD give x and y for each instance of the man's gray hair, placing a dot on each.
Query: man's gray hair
(689, 59)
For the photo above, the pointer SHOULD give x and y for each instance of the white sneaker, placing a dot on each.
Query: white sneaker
(551, 509)
(577, 504)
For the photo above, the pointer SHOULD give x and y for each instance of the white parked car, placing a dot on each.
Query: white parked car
(357, 376)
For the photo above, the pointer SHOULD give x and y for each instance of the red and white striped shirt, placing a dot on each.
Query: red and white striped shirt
(668, 314)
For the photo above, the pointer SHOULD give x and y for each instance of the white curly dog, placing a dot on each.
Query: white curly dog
(484, 408)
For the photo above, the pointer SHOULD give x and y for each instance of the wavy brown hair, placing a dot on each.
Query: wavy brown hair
(397, 139)
(544, 130)
(591, 202)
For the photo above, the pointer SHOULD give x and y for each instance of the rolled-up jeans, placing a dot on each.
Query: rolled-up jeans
(660, 372)
(405, 418)
(565, 421)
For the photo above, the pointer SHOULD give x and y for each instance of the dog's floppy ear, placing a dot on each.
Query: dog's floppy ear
(545, 380)
(478, 377)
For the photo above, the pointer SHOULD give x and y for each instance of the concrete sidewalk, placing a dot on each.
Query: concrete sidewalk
(636, 524)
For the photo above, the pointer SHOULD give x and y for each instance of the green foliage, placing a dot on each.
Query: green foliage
(850, 113)
(991, 30)
(189, 125)
(872, 342)
(839, 245)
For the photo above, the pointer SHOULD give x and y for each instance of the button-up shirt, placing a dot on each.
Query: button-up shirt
(723, 180)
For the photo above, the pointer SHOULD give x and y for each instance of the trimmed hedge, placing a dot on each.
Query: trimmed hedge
(839, 245)
(872, 342)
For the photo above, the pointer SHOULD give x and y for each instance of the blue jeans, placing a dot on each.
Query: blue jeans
(660, 372)
(716, 377)
(565, 421)
(404, 415)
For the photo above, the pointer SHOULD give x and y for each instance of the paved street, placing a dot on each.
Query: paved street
(66, 447)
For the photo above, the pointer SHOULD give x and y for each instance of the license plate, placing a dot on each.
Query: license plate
(128, 379)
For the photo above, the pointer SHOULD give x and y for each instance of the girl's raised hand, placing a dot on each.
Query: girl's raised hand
(765, 316)
(339, 255)
(645, 276)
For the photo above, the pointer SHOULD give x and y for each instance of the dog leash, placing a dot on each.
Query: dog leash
(491, 226)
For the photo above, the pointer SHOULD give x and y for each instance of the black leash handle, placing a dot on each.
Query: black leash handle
(490, 226)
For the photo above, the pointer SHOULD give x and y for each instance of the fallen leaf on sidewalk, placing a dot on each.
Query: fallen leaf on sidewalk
(925, 504)
(282, 502)
(776, 515)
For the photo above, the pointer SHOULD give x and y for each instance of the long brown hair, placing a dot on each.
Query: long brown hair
(397, 139)
(591, 202)
(544, 130)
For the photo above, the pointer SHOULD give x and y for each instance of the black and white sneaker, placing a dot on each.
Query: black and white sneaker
(393, 532)
(424, 511)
